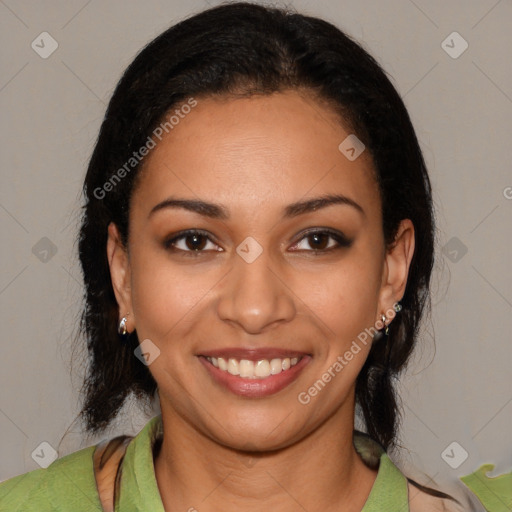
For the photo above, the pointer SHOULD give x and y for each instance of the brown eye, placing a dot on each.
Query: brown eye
(195, 242)
(319, 241)
(191, 241)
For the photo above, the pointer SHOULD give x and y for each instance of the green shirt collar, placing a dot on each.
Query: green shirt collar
(139, 489)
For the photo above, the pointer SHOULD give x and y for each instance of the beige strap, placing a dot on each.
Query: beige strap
(107, 459)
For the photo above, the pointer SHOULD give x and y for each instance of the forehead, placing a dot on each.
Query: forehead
(246, 152)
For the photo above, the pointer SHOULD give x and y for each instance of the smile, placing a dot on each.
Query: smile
(248, 369)
(254, 373)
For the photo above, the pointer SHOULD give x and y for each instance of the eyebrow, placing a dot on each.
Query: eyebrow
(219, 211)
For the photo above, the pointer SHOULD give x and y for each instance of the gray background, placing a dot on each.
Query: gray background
(458, 386)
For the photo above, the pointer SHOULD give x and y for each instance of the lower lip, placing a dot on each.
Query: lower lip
(255, 388)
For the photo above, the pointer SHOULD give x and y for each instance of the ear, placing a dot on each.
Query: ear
(396, 266)
(120, 275)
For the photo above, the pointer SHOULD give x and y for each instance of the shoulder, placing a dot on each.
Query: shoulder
(420, 501)
(67, 484)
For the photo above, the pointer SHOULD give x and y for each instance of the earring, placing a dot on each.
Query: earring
(380, 334)
(383, 319)
(397, 307)
(122, 331)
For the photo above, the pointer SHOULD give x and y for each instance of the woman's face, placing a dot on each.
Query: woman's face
(271, 287)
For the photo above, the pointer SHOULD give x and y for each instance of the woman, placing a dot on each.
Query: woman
(257, 245)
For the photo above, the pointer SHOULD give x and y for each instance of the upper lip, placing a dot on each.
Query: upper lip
(253, 354)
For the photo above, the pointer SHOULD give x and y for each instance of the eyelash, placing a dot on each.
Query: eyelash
(341, 240)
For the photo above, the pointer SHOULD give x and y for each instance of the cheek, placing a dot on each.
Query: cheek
(165, 298)
(345, 297)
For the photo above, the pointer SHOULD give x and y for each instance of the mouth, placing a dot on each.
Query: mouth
(254, 373)
(248, 369)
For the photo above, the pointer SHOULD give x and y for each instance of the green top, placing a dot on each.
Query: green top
(495, 493)
(68, 483)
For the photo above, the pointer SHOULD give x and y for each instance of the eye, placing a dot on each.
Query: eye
(195, 241)
(318, 239)
(192, 241)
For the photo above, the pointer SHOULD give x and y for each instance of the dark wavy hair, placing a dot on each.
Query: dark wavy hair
(243, 49)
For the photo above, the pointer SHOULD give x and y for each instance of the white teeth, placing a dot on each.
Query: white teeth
(262, 368)
(248, 369)
(276, 366)
(233, 367)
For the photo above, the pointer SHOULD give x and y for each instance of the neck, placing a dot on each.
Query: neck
(320, 472)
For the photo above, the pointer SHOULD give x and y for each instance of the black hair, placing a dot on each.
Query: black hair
(242, 49)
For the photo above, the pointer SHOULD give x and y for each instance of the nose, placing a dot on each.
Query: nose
(255, 295)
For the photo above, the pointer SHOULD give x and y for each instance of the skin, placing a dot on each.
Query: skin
(255, 156)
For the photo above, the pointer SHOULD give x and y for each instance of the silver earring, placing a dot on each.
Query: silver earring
(380, 334)
(383, 319)
(122, 327)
